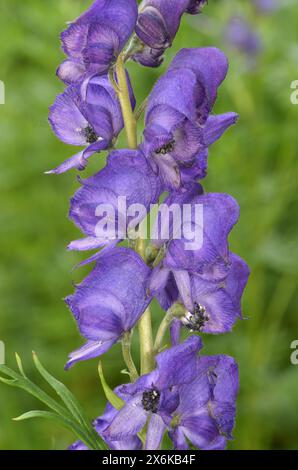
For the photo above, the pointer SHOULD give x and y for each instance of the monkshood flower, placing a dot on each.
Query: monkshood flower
(215, 305)
(155, 395)
(93, 41)
(207, 279)
(198, 238)
(100, 208)
(179, 127)
(240, 35)
(87, 114)
(211, 306)
(210, 67)
(157, 26)
(109, 301)
(205, 416)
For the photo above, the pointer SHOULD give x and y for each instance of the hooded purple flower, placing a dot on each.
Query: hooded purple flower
(213, 306)
(210, 67)
(157, 26)
(128, 176)
(178, 126)
(87, 114)
(93, 41)
(200, 411)
(204, 276)
(205, 416)
(109, 301)
(240, 34)
(154, 395)
(197, 235)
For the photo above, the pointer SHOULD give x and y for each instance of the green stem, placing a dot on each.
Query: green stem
(145, 326)
(145, 330)
(126, 352)
(134, 46)
(111, 396)
(160, 256)
(146, 342)
(162, 330)
(124, 98)
(176, 311)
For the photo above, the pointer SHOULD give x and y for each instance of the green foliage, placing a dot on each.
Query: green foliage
(111, 396)
(71, 416)
(256, 162)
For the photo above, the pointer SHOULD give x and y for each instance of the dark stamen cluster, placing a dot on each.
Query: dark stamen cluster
(195, 321)
(90, 135)
(166, 148)
(150, 400)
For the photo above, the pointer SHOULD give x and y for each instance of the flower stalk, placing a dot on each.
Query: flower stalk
(162, 330)
(126, 352)
(124, 98)
(145, 330)
(176, 311)
(145, 324)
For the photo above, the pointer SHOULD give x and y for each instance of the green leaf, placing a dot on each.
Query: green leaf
(68, 398)
(62, 391)
(72, 416)
(111, 396)
(41, 414)
(17, 380)
(7, 381)
(115, 400)
(20, 365)
(64, 422)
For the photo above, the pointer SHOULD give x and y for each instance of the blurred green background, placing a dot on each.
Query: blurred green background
(256, 162)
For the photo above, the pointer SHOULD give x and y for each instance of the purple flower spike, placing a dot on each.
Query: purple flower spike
(179, 129)
(88, 114)
(187, 265)
(157, 26)
(93, 42)
(109, 301)
(206, 412)
(128, 176)
(154, 395)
